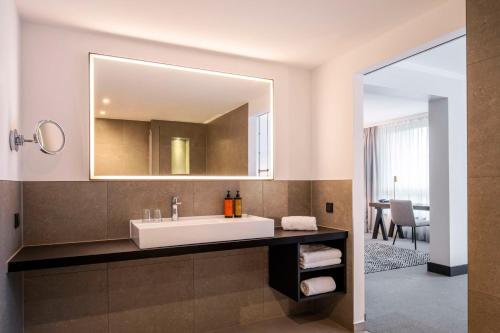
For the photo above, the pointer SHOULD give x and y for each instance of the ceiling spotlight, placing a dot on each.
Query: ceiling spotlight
(105, 101)
(102, 112)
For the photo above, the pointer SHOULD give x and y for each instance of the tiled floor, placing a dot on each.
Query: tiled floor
(303, 324)
(412, 300)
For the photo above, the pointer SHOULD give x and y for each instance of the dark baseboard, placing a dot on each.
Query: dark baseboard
(446, 270)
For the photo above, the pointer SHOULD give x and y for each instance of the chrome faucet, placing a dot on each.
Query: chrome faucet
(175, 208)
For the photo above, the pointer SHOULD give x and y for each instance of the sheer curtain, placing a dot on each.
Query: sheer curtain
(402, 150)
(370, 143)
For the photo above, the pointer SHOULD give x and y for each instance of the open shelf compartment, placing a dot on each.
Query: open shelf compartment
(285, 273)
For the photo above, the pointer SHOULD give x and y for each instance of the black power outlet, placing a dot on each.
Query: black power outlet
(17, 221)
(329, 207)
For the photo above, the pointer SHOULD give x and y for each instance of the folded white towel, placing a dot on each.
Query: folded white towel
(318, 285)
(299, 223)
(318, 252)
(313, 247)
(327, 262)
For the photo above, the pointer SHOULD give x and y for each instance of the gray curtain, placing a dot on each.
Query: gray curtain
(370, 174)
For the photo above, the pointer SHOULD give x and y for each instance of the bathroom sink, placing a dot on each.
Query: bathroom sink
(199, 229)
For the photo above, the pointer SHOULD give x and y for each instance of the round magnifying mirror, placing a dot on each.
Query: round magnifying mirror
(50, 136)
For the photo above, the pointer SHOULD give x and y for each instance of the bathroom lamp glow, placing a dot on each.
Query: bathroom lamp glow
(93, 57)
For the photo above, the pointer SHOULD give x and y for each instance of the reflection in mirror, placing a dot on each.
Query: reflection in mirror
(50, 136)
(154, 120)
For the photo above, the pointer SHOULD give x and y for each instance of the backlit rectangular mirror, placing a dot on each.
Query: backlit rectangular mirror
(156, 121)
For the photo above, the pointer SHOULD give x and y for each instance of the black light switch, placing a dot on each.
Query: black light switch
(329, 207)
(17, 221)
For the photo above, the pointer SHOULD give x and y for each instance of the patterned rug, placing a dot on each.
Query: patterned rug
(381, 257)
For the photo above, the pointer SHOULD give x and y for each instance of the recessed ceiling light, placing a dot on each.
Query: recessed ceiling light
(102, 112)
(106, 101)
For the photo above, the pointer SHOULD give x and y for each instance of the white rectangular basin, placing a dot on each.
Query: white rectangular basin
(199, 229)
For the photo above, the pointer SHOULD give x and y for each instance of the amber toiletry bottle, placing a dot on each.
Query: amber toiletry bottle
(228, 205)
(237, 204)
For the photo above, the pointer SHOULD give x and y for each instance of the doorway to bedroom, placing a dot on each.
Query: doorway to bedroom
(415, 162)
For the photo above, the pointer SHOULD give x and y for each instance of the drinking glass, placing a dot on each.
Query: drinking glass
(157, 215)
(146, 215)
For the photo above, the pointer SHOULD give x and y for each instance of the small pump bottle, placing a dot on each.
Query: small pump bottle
(228, 205)
(237, 204)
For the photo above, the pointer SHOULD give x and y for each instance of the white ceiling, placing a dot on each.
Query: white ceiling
(448, 60)
(298, 32)
(384, 106)
(145, 92)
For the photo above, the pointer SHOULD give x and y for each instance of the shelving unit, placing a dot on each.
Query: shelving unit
(285, 273)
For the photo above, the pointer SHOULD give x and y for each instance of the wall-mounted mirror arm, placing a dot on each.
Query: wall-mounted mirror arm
(16, 140)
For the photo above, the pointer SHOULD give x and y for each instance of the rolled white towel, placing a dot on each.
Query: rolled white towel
(328, 262)
(299, 223)
(318, 252)
(318, 285)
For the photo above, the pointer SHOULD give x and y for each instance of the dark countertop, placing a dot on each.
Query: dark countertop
(83, 253)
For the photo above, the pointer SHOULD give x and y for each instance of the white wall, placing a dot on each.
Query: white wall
(439, 181)
(55, 85)
(337, 110)
(9, 88)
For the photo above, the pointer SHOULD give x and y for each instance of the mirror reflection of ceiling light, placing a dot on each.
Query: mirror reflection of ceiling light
(102, 112)
(106, 101)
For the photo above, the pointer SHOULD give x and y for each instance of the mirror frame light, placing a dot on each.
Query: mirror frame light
(94, 56)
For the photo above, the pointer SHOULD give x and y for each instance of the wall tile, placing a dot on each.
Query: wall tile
(228, 290)
(483, 30)
(209, 196)
(197, 292)
(58, 212)
(483, 194)
(483, 79)
(126, 201)
(152, 298)
(340, 193)
(251, 191)
(483, 310)
(484, 118)
(149, 261)
(299, 198)
(218, 254)
(65, 270)
(69, 302)
(10, 240)
(275, 199)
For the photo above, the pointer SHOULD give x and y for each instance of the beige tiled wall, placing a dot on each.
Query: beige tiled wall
(339, 192)
(10, 241)
(227, 143)
(193, 293)
(483, 94)
(121, 147)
